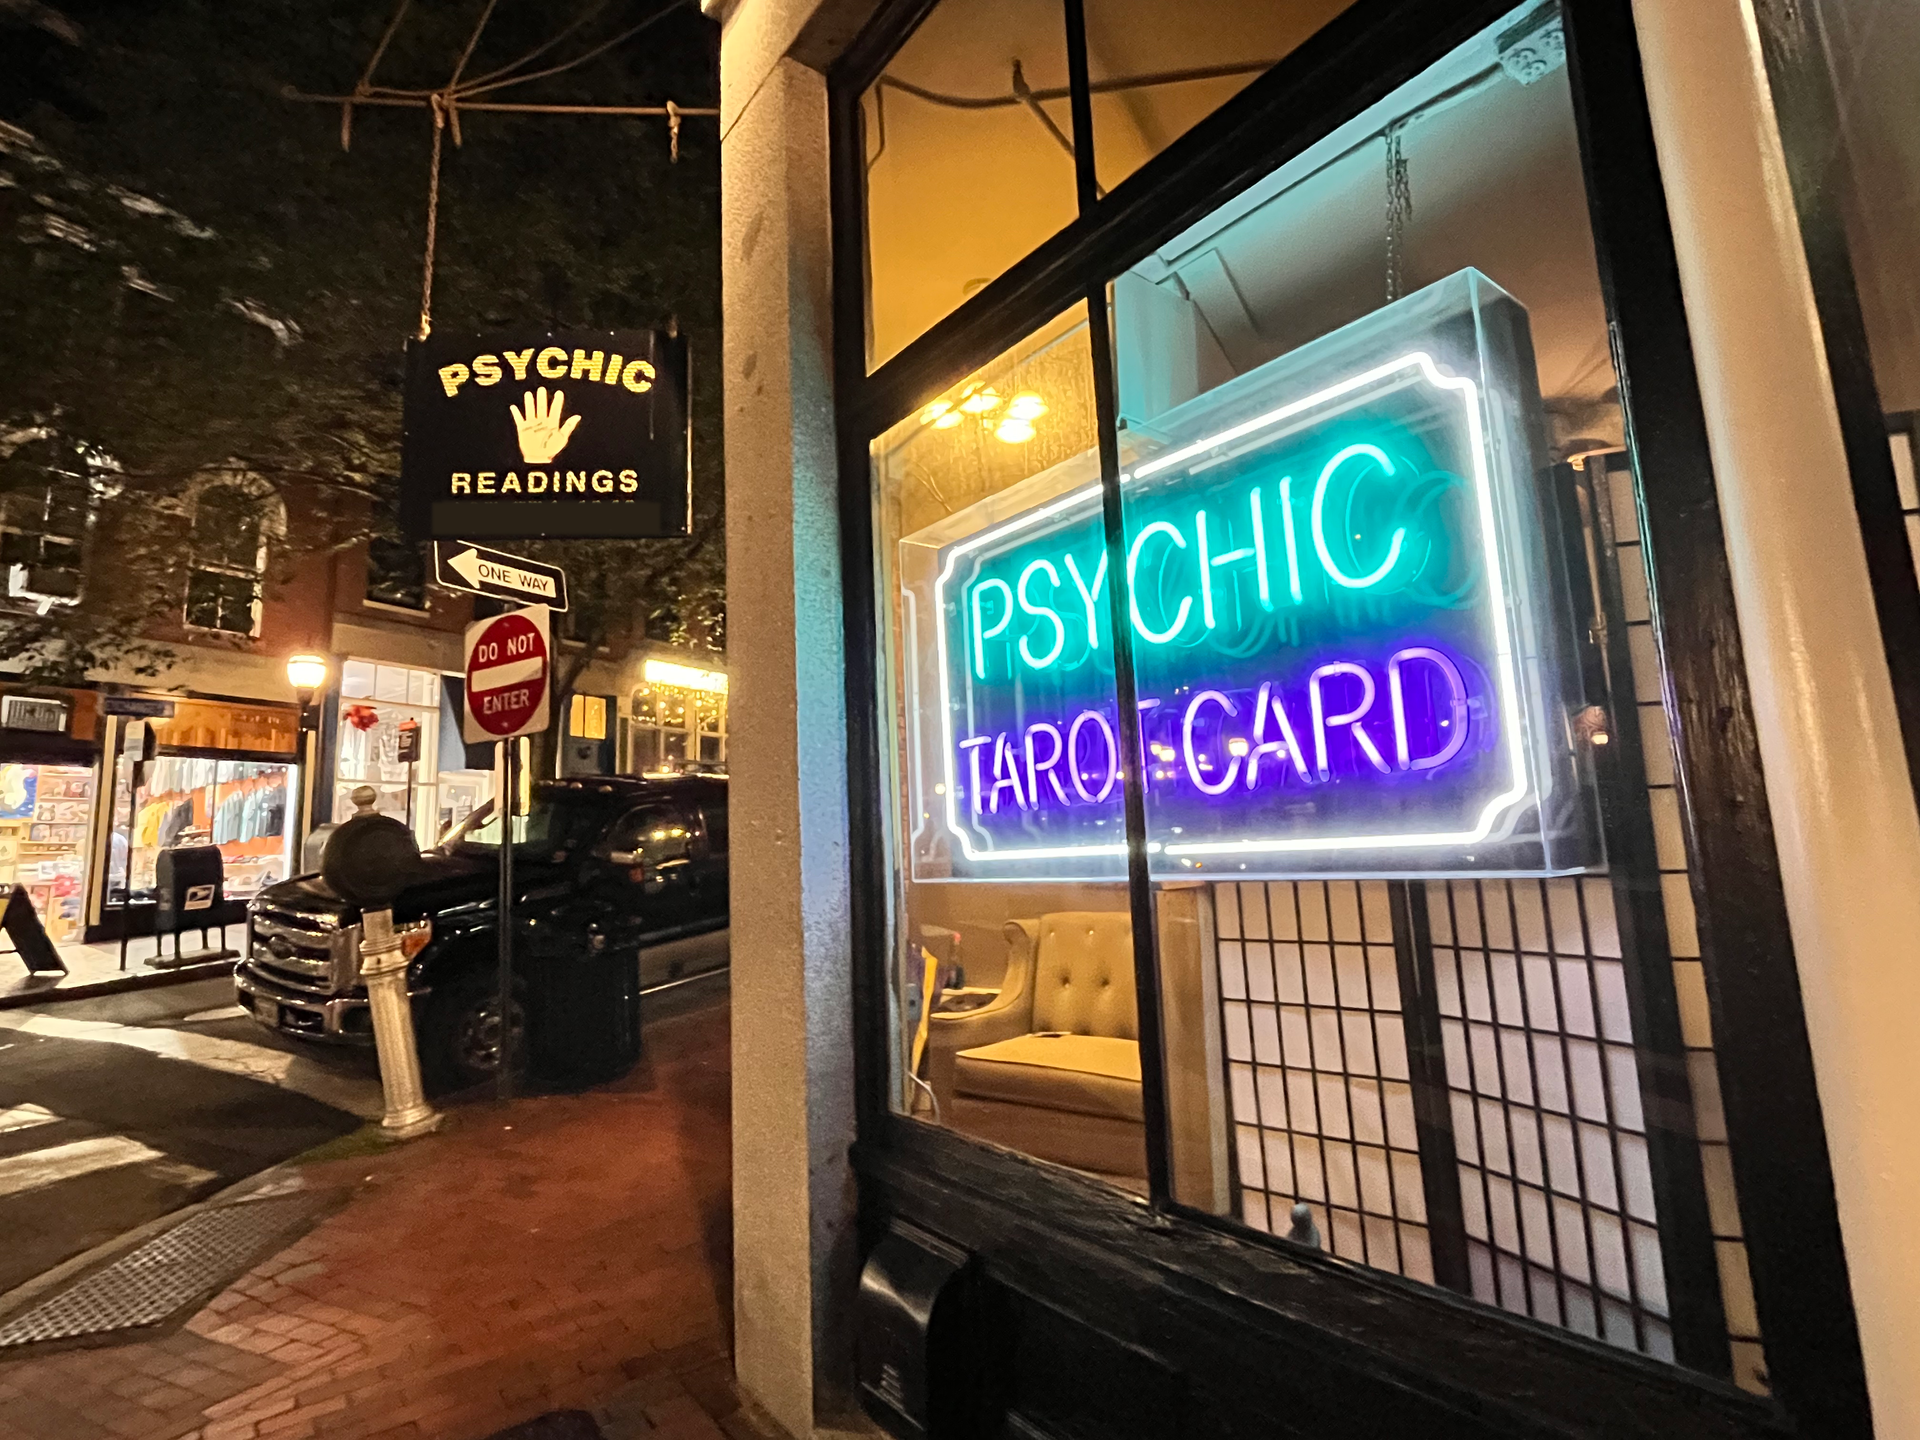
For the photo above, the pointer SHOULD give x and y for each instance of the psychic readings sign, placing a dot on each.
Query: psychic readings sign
(1345, 584)
(544, 434)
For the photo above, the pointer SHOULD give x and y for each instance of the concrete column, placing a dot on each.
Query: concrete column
(793, 1113)
(1837, 780)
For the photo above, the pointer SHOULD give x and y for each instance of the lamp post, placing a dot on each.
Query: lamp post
(307, 674)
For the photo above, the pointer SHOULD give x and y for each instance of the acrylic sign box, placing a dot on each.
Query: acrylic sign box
(1348, 604)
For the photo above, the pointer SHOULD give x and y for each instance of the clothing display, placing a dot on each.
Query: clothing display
(240, 806)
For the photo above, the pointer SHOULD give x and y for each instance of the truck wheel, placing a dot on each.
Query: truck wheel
(460, 1039)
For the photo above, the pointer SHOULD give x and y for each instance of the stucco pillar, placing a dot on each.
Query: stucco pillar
(792, 999)
(1837, 780)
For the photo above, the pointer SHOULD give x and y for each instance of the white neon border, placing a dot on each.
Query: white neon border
(1506, 681)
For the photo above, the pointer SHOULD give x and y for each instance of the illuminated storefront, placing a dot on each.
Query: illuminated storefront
(1253, 724)
(193, 772)
(49, 781)
(676, 719)
(398, 730)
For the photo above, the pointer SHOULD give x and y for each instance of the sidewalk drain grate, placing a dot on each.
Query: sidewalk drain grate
(148, 1284)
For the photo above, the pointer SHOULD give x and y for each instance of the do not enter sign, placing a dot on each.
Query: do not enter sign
(508, 674)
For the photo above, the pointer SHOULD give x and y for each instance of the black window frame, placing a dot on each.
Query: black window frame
(1384, 1352)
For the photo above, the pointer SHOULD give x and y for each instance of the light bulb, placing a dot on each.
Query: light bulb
(981, 401)
(934, 411)
(947, 421)
(1026, 406)
(307, 673)
(1014, 432)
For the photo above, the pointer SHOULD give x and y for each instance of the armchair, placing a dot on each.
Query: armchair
(1052, 1067)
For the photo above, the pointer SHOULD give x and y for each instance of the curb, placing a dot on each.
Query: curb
(119, 984)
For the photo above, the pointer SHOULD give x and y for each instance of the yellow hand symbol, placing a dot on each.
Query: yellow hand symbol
(542, 436)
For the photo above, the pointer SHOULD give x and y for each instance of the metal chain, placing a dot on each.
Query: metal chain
(433, 216)
(1399, 210)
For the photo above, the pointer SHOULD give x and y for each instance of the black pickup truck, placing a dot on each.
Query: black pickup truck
(603, 864)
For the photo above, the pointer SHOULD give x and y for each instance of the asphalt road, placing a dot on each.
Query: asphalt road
(116, 1111)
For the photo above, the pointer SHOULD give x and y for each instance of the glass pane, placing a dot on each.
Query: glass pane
(963, 175)
(646, 749)
(1369, 522)
(1157, 70)
(356, 679)
(1015, 1016)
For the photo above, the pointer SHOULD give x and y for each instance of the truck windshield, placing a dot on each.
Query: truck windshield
(559, 821)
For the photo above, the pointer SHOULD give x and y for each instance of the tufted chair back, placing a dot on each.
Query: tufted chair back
(1082, 972)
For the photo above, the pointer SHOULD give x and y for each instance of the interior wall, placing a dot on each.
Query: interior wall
(1874, 46)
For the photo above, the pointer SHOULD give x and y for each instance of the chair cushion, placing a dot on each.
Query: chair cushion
(1086, 1074)
(1083, 974)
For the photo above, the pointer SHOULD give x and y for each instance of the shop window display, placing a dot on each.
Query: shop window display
(390, 712)
(244, 808)
(1017, 1015)
(1381, 584)
(45, 815)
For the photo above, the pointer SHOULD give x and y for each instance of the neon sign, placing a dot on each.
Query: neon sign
(1344, 585)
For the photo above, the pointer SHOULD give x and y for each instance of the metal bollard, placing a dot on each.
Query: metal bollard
(383, 966)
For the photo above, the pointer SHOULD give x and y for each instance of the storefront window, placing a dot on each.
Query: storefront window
(968, 165)
(673, 726)
(45, 815)
(1158, 70)
(389, 713)
(1013, 966)
(1421, 897)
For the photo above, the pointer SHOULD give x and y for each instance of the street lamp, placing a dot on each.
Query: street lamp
(307, 674)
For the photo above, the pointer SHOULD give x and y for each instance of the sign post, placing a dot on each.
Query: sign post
(508, 694)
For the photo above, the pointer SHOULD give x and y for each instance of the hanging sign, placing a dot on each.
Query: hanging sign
(509, 675)
(1346, 595)
(547, 434)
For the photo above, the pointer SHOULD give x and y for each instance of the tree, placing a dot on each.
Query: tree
(202, 282)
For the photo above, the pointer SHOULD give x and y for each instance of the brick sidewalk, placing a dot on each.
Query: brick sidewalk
(569, 1252)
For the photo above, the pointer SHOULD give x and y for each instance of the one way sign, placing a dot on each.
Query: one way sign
(460, 566)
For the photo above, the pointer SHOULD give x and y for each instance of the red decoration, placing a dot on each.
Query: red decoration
(361, 717)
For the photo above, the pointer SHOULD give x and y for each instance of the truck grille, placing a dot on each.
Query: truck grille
(306, 952)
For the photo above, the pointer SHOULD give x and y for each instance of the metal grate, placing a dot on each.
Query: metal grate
(150, 1284)
(1615, 496)
(1316, 1046)
(1556, 1187)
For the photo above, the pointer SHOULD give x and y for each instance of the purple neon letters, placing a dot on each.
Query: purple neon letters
(1258, 738)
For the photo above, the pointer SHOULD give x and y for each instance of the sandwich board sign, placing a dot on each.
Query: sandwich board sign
(509, 676)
